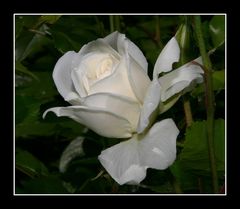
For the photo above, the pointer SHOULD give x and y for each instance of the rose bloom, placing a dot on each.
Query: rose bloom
(110, 92)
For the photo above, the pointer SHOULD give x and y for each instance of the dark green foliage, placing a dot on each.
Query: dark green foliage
(40, 40)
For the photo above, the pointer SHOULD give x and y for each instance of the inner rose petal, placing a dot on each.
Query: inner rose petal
(95, 67)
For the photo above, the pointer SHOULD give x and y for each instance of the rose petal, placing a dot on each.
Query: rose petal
(62, 77)
(127, 161)
(119, 105)
(180, 79)
(138, 56)
(120, 43)
(87, 68)
(122, 162)
(102, 122)
(116, 83)
(150, 104)
(98, 46)
(139, 80)
(116, 41)
(136, 63)
(158, 147)
(169, 55)
(77, 75)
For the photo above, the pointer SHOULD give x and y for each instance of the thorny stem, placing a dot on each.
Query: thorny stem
(209, 99)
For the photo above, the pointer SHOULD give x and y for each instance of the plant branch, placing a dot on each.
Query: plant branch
(183, 37)
(187, 111)
(114, 23)
(157, 36)
(209, 99)
(111, 20)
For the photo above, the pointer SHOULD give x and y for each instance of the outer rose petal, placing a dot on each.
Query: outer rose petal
(99, 120)
(138, 56)
(122, 106)
(122, 162)
(180, 79)
(62, 76)
(158, 148)
(138, 79)
(169, 55)
(127, 161)
(151, 102)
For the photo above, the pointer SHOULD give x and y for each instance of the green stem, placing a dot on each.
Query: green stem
(117, 23)
(114, 23)
(200, 185)
(176, 186)
(209, 100)
(157, 36)
(187, 111)
(183, 37)
(100, 26)
(174, 182)
(111, 19)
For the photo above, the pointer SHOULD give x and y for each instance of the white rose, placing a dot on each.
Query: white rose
(107, 84)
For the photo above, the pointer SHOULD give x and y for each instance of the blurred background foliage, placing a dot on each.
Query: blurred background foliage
(42, 146)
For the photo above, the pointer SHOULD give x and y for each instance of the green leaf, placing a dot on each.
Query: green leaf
(151, 50)
(31, 127)
(63, 43)
(18, 26)
(42, 90)
(29, 42)
(27, 21)
(22, 69)
(29, 109)
(194, 155)
(30, 165)
(31, 124)
(217, 30)
(44, 185)
(50, 19)
(218, 83)
(21, 109)
(29, 120)
(158, 181)
(74, 149)
(24, 21)
(219, 80)
(187, 181)
(85, 161)
(165, 188)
